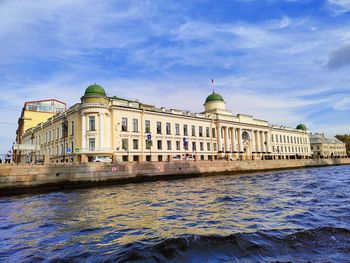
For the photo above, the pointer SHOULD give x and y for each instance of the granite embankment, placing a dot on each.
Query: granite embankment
(24, 178)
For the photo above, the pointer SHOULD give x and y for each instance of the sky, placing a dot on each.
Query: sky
(284, 61)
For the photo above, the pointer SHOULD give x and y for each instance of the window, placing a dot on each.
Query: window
(213, 132)
(168, 145)
(72, 128)
(177, 129)
(168, 131)
(148, 144)
(92, 123)
(49, 136)
(57, 134)
(124, 124)
(135, 144)
(185, 130)
(272, 137)
(207, 132)
(281, 139)
(276, 138)
(193, 130)
(135, 125)
(91, 144)
(178, 145)
(125, 144)
(201, 146)
(159, 144)
(147, 126)
(72, 147)
(214, 146)
(194, 147)
(159, 127)
(200, 131)
(208, 146)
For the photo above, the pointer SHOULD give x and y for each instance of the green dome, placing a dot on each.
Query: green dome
(301, 127)
(95, 90)
(214, 97)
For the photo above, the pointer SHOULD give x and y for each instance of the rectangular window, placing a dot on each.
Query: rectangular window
(272, 137)
(92, 123)
(194, 147)
(185, 130)
(193, 130)
(57, 133)
(168, 131)
(91, 144)
(124, 124)
(148, 144)
(159, 144)
(72, 147)
(159, 127)
(125, 144)
(276, 138)
(213, 132)
(178, 145)
(281, 139)
(207, 132)
(208, 146)
(49, 136)
(168, 145)
(135, 125)
(214, 146)
(200, 131)
(72, 128)
(147, 126)
(135, 144)
(201, 146)
(177, 129)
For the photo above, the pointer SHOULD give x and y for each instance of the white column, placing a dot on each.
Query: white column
(240, 140)
(253, 142)
(258, 144)
(233, 140)
(268, 141)
(227, 142)
(101, 131)
(83, 131)
(218, 137)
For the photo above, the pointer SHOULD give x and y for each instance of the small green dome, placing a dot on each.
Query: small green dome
(95, 90)
(214, 97)
(301, 127)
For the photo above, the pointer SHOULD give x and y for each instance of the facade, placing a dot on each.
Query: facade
(323, 147)
(132, 131)
(33, 113)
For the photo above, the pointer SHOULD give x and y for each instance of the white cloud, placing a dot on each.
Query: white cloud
(339, 6)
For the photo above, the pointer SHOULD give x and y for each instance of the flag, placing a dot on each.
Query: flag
(212, 81)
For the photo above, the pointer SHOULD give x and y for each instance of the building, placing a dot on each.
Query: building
(35, 112)
(323, 147)
(133, 131)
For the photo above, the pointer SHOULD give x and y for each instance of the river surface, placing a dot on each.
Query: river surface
(296, 215)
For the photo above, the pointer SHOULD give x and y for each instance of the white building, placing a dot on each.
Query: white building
(133, 131)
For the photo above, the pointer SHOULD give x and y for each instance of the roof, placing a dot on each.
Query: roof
(321, 139)
(214, 97)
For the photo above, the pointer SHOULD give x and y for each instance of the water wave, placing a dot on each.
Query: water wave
(268, 246)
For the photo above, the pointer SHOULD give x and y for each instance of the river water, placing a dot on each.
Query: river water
(295, 215)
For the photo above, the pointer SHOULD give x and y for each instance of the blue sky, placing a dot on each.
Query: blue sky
(285, 61)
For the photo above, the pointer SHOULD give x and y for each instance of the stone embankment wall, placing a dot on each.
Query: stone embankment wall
(17, 179)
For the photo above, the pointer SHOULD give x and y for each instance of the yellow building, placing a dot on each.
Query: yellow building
(323, 147)
(132, 131)
(33, 113)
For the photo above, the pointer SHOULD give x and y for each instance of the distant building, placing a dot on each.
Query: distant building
(133, 131)
(35, 112)
(324, 147)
